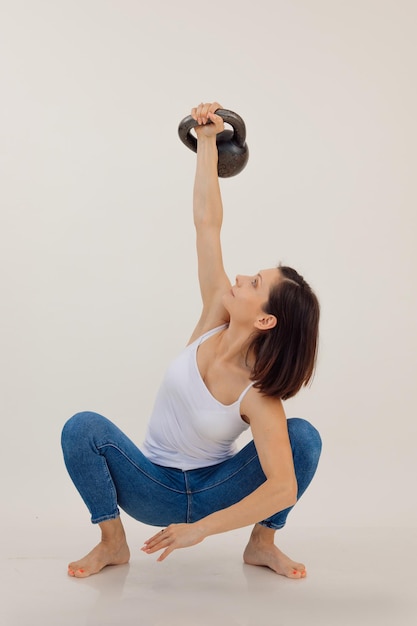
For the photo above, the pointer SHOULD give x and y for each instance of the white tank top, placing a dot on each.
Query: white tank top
(188, 427)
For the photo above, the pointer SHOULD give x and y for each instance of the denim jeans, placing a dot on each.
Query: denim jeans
(109, 471)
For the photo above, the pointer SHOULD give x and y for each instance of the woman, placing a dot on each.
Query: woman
(254, 345)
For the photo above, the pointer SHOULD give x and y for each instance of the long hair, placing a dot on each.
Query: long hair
(285, 355)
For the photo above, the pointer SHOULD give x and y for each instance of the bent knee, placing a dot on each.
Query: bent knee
(79, 425)
(305, 435)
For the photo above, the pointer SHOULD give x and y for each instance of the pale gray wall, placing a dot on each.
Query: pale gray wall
(98, 267)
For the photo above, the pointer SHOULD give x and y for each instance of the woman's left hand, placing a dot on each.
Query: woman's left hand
(173, 537)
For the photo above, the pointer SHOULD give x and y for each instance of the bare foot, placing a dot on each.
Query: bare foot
(105, 553)
(268, 555)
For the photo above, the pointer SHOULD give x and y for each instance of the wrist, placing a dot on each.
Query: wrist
(207, 148)
(202, 528)
(202, 138)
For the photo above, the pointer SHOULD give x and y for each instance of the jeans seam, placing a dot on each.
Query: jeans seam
(189, 499)
(255, 456)
(113, 445)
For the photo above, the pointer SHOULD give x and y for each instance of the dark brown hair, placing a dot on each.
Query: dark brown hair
(285, 355)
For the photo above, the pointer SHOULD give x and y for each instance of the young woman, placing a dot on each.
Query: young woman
(254, 346)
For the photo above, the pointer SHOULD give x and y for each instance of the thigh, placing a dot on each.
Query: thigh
(219, 486)
(148, 492)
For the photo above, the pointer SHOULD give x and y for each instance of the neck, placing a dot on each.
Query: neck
(233, 345)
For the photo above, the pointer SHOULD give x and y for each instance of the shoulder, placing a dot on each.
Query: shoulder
(261, 409)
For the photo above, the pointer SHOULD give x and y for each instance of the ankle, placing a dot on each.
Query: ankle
(262, 535)
(112, 531)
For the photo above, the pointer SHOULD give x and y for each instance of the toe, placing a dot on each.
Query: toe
(298, 572)
(75, 569)
(80, 573)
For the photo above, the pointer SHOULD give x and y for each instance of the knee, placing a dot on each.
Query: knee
(305, 439)
(78, 427)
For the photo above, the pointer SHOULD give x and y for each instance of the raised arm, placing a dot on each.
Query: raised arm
(208, 217)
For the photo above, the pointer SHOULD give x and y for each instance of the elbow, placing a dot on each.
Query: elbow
(205, 220)
(290, 499)
(293, 492)
(286, 495)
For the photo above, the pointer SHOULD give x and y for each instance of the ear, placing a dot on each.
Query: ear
(266, 322)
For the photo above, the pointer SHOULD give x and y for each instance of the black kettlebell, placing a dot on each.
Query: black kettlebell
(231, 146)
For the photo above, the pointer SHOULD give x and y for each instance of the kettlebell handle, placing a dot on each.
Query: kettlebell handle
(230, 117)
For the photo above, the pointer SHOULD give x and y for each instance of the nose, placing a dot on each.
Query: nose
(241, 280)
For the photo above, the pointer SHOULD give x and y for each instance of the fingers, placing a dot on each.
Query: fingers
(173, 537)
(164, 554)
(156, 537)
(203, 113)
(157, 542)
(209, 124)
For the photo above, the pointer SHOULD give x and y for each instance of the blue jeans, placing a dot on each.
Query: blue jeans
(110, 471)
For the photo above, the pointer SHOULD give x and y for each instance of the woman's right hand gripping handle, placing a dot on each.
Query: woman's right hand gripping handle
(205, 113)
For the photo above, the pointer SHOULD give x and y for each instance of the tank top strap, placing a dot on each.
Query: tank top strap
(209, 333)
(245, 391)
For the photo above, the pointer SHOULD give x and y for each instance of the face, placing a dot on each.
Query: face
(249, 294)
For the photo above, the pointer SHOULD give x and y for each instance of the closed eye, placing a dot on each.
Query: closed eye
(255, 281)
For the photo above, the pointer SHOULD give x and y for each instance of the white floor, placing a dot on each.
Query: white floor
(355, 577)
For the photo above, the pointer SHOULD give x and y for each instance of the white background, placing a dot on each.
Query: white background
(98, 269)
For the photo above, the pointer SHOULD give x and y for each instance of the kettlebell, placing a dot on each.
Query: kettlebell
(231, 146)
